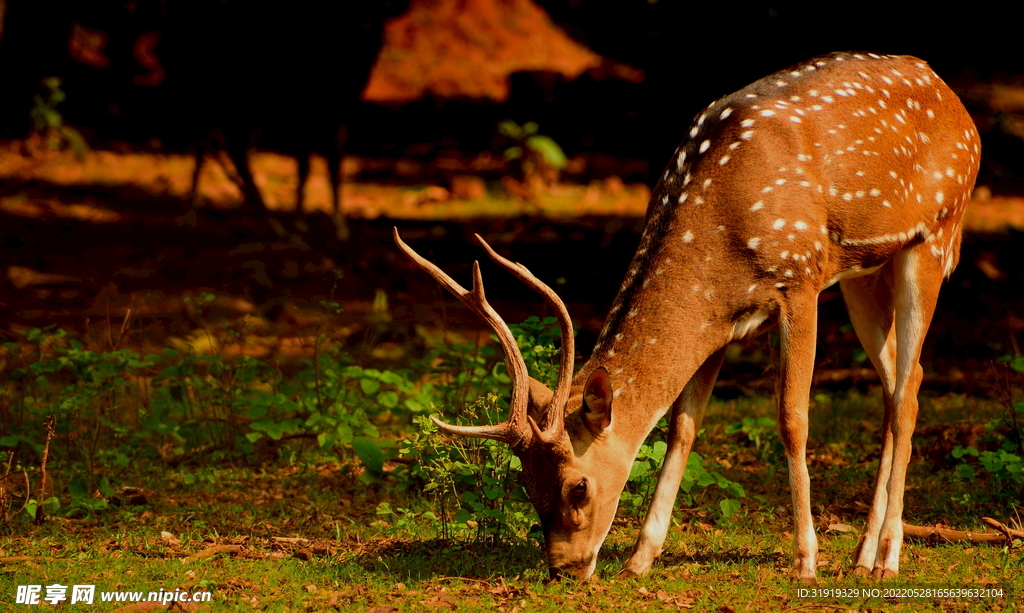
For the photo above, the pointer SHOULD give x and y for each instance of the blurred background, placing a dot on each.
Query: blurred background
(260, 153)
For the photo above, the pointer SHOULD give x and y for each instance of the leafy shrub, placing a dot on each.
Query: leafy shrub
(531, 148)
(49, 123)
(692, 489)
(116, 409)
(474, 483)
(999, 468)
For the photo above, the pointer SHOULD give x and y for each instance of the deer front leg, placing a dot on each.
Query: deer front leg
(684, 422)
(798, 335)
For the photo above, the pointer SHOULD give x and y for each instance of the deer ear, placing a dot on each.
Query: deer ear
(539, 400)
(597, 400)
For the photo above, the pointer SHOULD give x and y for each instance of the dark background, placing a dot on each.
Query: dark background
(293, 67)
(294, 71)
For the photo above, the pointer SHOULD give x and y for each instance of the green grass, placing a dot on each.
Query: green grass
(264, 486)
(353, 559)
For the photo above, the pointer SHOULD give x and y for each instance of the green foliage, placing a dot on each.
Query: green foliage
(999, 468)
(48, 122)
(692, 489)
(537, 340)
(116, 409)
(532, 151)
(1015, 362)
(762, 433)
(473, 482)
(1002, 469)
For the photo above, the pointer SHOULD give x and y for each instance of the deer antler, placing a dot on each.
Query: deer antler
(515, 430)
(556, 412)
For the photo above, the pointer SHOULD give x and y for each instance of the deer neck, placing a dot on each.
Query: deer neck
(669, 316)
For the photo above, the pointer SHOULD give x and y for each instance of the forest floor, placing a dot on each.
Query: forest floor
(308, 536)
(104, 247)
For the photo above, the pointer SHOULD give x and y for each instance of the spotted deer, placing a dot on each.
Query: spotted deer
(850, 168)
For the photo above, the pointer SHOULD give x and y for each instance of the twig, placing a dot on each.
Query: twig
(4, 494)
(935, 534)
(13, 559)
(50, 423)
(291, 540)
(1007, 531)
(209, 552)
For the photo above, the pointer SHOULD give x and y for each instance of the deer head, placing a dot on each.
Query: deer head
(571, 473)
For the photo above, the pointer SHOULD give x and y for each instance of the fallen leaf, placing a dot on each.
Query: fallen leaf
(441, 601)
(169, 539)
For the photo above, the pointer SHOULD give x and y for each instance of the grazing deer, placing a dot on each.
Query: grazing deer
(849, 168)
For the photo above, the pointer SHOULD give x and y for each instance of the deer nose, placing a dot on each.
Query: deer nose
(581, 571)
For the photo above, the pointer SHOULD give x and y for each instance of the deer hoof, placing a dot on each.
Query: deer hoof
(803, 574)
(883, 573)
(861, 571)
(629, 573)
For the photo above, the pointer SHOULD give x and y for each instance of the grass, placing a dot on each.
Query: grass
(309, 537)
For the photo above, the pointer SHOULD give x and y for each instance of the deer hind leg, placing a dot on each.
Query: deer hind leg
(913, 280)
(870, 303)
(917, 280)
(686, 415)
(798, 334)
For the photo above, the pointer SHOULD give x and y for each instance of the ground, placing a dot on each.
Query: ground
(107, 249)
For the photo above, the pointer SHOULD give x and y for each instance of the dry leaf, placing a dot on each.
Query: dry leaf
(169, 539)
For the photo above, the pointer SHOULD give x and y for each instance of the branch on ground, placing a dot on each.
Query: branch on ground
(941, 534)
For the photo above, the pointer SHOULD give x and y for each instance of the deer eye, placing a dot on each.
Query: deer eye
(580, 490)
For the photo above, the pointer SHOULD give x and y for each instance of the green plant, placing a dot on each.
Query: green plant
(538, 157)
(49, 123)
(115, 409)
(537, 340)
(473, 482)
(696, 479)
(999, 466)
(762, 433)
